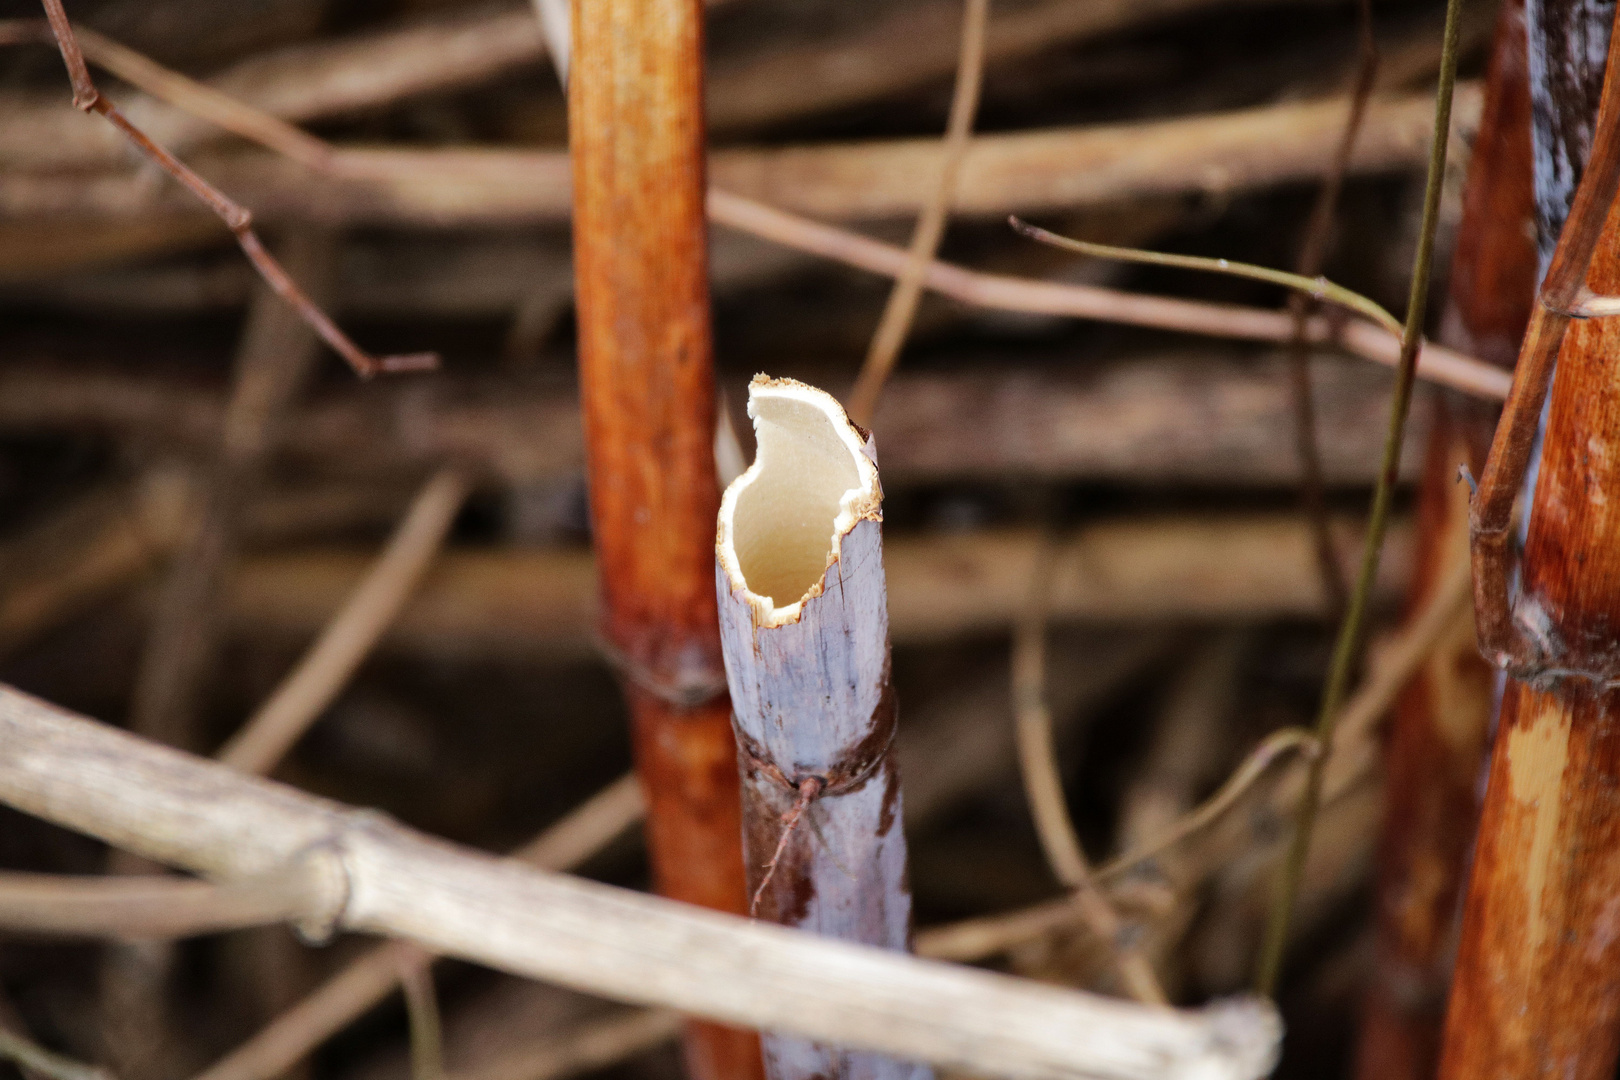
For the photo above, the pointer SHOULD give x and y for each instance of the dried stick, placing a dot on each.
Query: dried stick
(142, 907)
(805, 636)
(636, 137)
(422, 1009)
(306, 692)
(1313, 252)
(87, 99)
(1439, 734)
(901, 307)
(365, 982)
(988, 290)
(1043, 785)
(1355, 754)
(596, 1045)
(378, 877)
(91, 546)
(1348, 646)
(30, 1056)
(273, 360)
(1363, 338)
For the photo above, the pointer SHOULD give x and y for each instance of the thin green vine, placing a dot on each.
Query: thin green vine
(1318, 288)
(1348, 645)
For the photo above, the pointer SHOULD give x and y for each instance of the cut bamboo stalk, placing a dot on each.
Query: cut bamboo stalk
(1538, 971)
(804, 627)
(635, 118)
(1438, 739)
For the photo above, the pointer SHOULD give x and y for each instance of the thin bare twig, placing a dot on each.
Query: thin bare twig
(154, 907)
(29, 1055)
(328, 665)
(1037, 759)
(1355, 754)
(587, 1048)
(1363, 338)
(88, 99)
(901, 308)
(1372, 342)
(1348, 646)
(1318, 287)
(1313, 252)
(422, 1010)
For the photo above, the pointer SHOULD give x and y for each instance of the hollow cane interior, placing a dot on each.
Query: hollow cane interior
(782, 530)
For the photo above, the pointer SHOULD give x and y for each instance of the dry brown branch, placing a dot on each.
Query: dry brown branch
(274, 357)
(142, 907)
(1355, 753)
(1312, 255)
(1204, 417)
(589, 1047)
(332, 660)
(77, 554)
(1026, 172)
(1043, 787)
(372, 70)
(87, 99)
(379, 877)
(1362, 338)
(540, 602)
(1189, 738)
(901, 307)
(736, 211)
(37, 1060)
(422, 1009)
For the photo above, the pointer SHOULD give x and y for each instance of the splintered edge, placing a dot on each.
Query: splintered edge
(783, 521)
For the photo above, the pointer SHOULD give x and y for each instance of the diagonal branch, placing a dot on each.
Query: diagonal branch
(901, 308)
(375, 876)
(88, 99)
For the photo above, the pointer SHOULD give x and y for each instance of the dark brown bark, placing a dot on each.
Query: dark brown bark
(1438, 738)
(647, 391)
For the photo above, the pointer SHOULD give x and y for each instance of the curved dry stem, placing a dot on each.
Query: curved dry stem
(422, 1012)
(36, 1059)
(1348, 645)
(329, 664)
(144, 907)
(236, 217)
(1367, 340)
(901, 308)
(1043, 785)
(1272, 749)
(1317, 288)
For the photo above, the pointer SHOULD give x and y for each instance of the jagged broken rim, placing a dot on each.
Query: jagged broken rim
(814, 478)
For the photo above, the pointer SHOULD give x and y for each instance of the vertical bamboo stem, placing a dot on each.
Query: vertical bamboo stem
(1438, 738)
(1537, 986)
(635, 109)
(804, 623)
